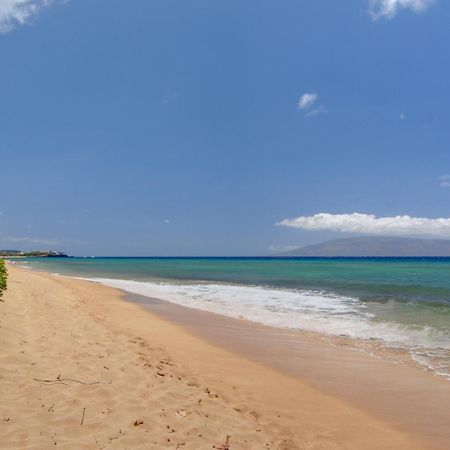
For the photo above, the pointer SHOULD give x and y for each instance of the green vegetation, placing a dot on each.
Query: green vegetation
(3, 276)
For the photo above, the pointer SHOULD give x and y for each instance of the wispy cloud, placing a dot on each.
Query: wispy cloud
(33, 240)
(308, 104)
(49, 242)
(388, 9)
(444, 181)
(317, 111)
(283, 248)
(370, 224)
(14, 13)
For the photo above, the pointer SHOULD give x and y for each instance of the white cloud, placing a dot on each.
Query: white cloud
(389, 8)
(444, 181)
(307, 100)
(370, 224)
(18, 12)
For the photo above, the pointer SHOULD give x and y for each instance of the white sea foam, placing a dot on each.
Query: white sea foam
(294, 309)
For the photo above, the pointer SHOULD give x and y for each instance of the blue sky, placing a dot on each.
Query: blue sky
(166, 127)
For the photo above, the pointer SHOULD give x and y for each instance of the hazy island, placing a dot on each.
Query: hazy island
(383, 246)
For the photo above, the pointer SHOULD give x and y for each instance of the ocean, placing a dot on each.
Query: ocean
(397, 303)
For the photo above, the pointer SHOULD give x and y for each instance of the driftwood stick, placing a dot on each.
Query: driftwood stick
(82, 418)
(61, 380)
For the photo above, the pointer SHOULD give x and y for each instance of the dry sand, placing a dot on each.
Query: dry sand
(82, 369)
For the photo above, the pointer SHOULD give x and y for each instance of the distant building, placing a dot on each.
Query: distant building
(56, 254)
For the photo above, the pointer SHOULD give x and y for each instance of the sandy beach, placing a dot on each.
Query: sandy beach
(82, 368)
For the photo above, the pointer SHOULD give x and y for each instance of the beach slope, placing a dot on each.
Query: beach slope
(81, 368)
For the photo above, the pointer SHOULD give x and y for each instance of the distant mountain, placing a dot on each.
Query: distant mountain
(375, 246)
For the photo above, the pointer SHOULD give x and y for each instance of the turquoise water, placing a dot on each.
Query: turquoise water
(398, 302)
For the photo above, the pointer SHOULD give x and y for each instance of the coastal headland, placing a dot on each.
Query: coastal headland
(82, 368)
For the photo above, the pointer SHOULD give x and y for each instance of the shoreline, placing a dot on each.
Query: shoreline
(393, 391)
(373, 347)
(401, 336)
(257, 406)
